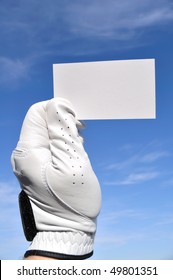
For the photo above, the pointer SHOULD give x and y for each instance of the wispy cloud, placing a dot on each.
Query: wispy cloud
(137, 164)
(118, 20)
(8, 193)
(121, 165)
(44, 24)
(150, 226)
(12, 242)
(116, 216)
(119, 239)
(166, 219)
(9, 205)
(146, 155)
(134, 178)
(154, 156)
(13, 71)
(31, 29)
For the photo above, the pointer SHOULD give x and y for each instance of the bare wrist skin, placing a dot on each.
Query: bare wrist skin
(38, 258)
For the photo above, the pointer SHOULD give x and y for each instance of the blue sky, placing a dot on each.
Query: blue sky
(133, 159)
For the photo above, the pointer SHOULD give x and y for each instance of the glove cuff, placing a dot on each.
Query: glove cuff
(62, 245)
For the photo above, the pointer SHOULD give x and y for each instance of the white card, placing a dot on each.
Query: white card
(123, 89)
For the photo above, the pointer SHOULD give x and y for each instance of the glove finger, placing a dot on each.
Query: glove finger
(32, 150)
(70, 176)
(64, 137)
(34, 129)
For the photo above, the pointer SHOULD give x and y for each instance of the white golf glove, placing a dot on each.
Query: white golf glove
(60, 198)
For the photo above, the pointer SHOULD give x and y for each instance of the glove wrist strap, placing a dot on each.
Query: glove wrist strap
(64, 245)
(57, 255)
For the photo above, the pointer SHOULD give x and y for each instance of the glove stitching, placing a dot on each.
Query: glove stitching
(21, 153)
(43, 175)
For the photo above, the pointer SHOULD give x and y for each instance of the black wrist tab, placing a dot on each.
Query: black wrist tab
(28, 221)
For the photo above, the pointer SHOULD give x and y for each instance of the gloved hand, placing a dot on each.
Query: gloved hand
(60, 197)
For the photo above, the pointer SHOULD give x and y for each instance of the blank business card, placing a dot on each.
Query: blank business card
(122, 89)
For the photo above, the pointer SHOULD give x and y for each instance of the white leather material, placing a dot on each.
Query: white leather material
(55, 171)
(75, 243)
